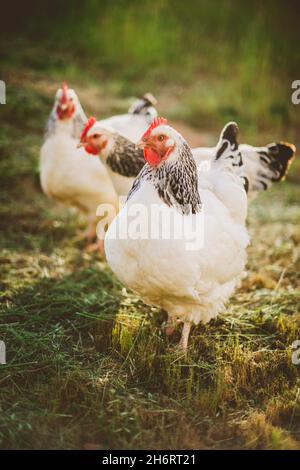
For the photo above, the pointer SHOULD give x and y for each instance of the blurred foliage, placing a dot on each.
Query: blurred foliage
(237, 59)
(128, 36)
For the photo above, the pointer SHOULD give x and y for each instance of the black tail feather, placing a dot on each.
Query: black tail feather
(228, 139)
(278, 158)
(142, 105)
(267, 165)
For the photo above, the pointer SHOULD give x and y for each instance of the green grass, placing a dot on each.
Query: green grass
(88, 364)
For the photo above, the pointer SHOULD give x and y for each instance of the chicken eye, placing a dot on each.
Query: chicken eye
(160, 138)
(95, 136)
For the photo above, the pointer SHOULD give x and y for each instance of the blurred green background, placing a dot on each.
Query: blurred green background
(222, 59)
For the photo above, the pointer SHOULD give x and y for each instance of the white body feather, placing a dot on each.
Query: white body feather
(131, 126)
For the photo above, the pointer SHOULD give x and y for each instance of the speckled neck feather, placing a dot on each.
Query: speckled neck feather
(126, 158)
(176, 181)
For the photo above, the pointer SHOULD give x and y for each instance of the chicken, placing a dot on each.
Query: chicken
(123, 128)
(180, 240)
(262, 165)
(66, 174)
(122, 158)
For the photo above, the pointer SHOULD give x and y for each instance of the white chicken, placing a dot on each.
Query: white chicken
(66, 174)
(190, 280)
(123, 160)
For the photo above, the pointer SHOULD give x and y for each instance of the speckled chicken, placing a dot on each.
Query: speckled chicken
(190, 277)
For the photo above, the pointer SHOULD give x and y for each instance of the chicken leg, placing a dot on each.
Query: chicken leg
(90, 235)
(183, 343)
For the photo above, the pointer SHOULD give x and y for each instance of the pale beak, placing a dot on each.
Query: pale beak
(64, 106)
(80, 144)
(141, 144)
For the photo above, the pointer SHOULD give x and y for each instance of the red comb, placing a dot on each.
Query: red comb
(155, 123)
(64, 88)
(91, 121)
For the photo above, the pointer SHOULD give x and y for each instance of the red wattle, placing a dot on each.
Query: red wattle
(67, 113)
(91, 149)
(151, 156)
